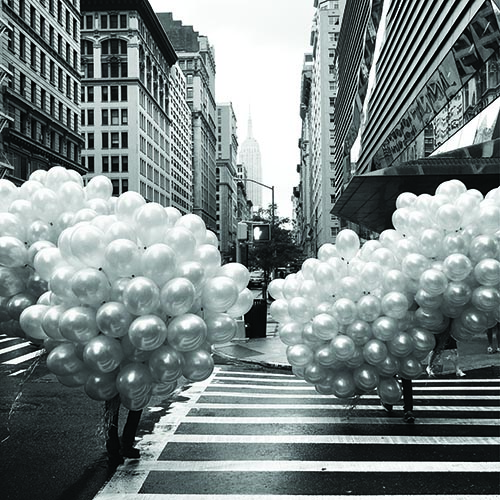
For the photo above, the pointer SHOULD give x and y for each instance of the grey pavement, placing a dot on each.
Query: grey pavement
(270, 351)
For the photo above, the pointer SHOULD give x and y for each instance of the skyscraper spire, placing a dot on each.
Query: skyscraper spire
(249, 131)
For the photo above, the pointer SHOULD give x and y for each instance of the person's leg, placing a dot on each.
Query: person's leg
(129, 432)
(489, 334)
(408, 400)
(112, 408)
(456, 362)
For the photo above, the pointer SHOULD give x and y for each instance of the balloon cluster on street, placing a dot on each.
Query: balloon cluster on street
(357, 316)
(127, 296)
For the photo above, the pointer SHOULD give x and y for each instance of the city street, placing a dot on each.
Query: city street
(251, 430)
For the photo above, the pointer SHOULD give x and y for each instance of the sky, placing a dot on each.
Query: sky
(259, 48)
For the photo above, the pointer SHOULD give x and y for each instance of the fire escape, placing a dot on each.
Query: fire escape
(5, 119)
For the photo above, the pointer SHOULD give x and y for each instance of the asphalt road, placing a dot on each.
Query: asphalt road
(51, 444)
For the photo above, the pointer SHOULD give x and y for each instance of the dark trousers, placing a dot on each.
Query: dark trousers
(407, 386)
(407, 394)
(129, 429)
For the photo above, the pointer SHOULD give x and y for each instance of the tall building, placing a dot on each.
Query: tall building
(40, 86)
(197, 61)
(126, 63)
(250, 158)
(181, 142)
(227, 194)
(431, 110)
(304, 229)
(317, 142)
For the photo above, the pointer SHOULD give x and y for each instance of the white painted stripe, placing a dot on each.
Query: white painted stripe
(4, 338)
(18, 372)
(180, 496)
(26, 357)
(267, 375)
(249, 466)
(315, 395)
(236, 406)
(15, 347)
(312, 389)
(417, 382)
(337, 420)
(328, 439)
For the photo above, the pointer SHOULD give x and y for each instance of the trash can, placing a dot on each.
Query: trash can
(256, 319)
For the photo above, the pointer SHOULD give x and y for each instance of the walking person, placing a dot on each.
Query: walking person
(446, 348)
(407, 386)
(119, 449)
(490, 333)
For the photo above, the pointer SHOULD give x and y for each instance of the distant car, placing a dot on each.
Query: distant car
(256, 279)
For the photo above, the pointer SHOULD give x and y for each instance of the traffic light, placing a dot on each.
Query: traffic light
(261, 232)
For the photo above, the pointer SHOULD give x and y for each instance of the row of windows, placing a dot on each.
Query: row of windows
(57, 10)
(109, 69)
(63, 48)
(108, 163)
(106, 21)
(108, 117)
(47, 68)
(111, 93)
(37, 131)
(113, 140)
(45, 101)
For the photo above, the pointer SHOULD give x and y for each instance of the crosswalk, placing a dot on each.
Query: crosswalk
(244, 435)
(17, 353)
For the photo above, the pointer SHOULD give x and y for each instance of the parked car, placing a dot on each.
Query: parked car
(256, 279)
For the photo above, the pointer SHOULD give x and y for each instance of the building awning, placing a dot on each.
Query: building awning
(370, 199)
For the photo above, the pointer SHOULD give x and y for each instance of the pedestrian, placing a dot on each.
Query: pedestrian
(407, 386)
(490, 333)
(446, 348)
(119, 449)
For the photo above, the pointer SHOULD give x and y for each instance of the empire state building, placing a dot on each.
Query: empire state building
(250, 159)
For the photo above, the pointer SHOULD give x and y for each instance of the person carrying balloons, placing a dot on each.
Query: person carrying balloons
(407, 387)
(446, 347)
(118, 450)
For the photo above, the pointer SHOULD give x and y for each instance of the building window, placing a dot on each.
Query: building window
(89, 24)
(115, 164)
(115, 140)
(33, 56)
(90, 140)
(124, 163)
(104, 94)
(90, 117)
(105, 140)
(114, 117)
(114, 92)
(105, 117)
(124, 113)
(90, 163)
(105, 163)
(32, 17)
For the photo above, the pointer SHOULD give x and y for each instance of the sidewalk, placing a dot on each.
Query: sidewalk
(270, 351)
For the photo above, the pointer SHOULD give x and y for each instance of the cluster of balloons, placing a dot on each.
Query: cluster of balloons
(127, 296)
(358, 315)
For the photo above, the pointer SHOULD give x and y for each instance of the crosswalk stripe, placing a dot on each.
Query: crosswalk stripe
(15, 347)
(25, 357)
(312, 390)
(293, 378)
(312, 466)
(256, 395)
(334, 439)
(237, 406)
(336, 420)
(187, 496)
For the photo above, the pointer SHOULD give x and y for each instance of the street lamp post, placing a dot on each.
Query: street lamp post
(272, 196)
